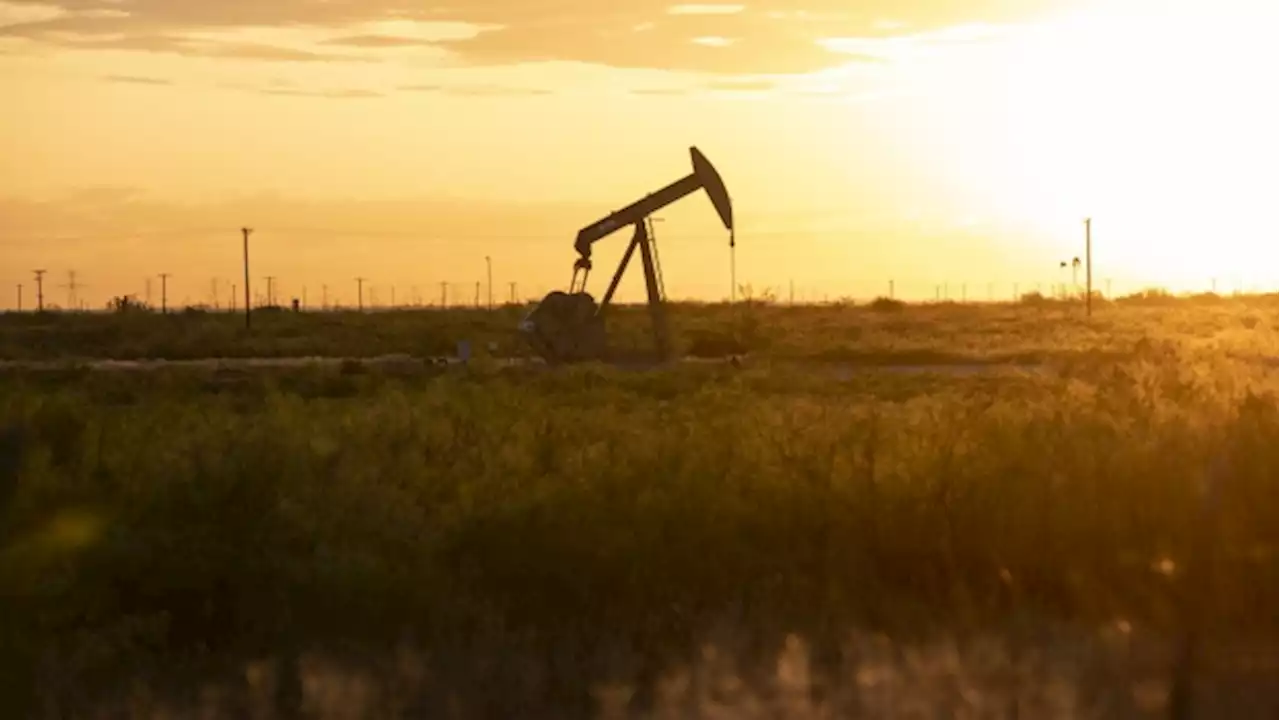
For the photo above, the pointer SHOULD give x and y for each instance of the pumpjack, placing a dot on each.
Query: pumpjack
(569, 327)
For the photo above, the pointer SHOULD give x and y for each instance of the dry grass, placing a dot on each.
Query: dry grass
(503, 542)
(874, 333)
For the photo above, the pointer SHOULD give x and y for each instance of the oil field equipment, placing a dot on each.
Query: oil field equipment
(568, 326)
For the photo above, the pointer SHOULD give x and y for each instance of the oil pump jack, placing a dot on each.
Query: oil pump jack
(569, 327)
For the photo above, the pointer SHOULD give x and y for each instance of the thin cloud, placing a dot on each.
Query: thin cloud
(136, 80)
(166, 44)
(476, 90)
(781, 40)
(659, 91)
(377, 41)
(705, 9)
(351, 94)
(743, 85)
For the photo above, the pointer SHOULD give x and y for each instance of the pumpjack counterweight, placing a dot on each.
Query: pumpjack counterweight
(569, 327)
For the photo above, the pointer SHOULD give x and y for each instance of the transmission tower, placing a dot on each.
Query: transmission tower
(71, 286)
(164, 292)
(40, 290)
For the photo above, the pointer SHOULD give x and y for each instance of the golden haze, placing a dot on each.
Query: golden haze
(926, 142)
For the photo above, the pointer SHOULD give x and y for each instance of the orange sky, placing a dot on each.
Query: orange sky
(922, 140)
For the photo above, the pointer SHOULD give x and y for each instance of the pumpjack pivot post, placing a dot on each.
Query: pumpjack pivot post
(569, 327)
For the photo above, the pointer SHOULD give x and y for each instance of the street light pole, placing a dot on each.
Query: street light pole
(488, 261)
(248, 305)
(1088, 267)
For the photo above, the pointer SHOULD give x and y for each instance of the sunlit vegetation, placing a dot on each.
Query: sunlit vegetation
(507, 542)
(883, 331)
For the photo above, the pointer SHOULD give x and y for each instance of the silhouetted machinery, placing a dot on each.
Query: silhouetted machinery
(569, 327)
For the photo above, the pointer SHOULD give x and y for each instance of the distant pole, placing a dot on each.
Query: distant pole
(19, 297)
(248, 304)
(1088, 267)
(71, 290)
(164, 292)
(324, 296)
(271, 292)
(444, 294)
(891, 290)
(513, 292)
(40, 290)
(477, 293)
(791, 296)
(488, 263)
(360, 294)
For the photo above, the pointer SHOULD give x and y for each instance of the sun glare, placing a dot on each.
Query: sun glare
(1160, 127)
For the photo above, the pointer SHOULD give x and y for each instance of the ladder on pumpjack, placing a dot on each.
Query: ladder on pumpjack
(569, 327)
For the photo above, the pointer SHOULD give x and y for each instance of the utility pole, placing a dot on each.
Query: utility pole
(71, 290)
(488, 261)
(1088, 267)
(324, 296)
(271, 296)
(19, 297)
(164, 292)
(513, 293)
(477, 293)
(248, 305)
(444, 294)
(891, 290)
(40, 290)
(360, 294)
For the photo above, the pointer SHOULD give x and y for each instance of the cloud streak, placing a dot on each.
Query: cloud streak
(346, 94)
(784, 38)
(476, 90)
(136, 80)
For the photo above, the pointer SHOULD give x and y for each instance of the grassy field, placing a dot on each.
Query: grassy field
(697, 542)
(878, 333)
